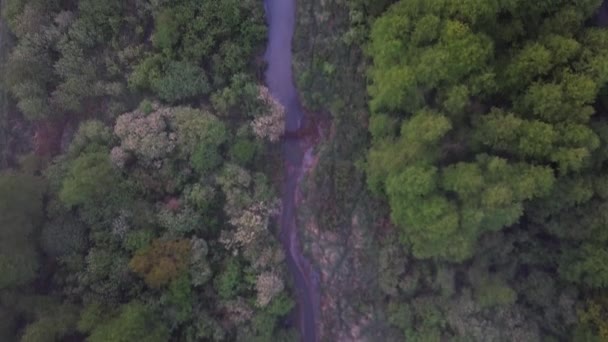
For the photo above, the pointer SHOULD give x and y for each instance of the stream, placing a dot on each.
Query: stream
(297, 151)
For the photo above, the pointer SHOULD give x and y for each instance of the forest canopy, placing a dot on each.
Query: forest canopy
(457, 189)
(480, 112)
(137, 199)
(488, 143)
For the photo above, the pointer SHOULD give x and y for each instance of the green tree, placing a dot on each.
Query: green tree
(492, 116)
(91, 181)
(134, 322)
(178, 300)
(52, 326)
(586, 265)
(180, 81)
(161, 262)
(229, 281)
(200, 136)
(199, 46)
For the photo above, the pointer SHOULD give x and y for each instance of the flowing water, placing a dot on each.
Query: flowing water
(279, 79)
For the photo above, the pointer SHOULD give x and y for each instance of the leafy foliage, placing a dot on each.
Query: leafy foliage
(161, 262)
(448, 176)
(134, 322)
(91, 179)
(196, 41)
(135, 192)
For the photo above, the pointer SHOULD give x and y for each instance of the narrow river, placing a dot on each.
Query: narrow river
(279, 79)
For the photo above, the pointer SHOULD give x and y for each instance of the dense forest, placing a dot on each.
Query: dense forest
(138, 188)
(458, 195)
(489, 142)
(474, 209)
